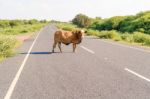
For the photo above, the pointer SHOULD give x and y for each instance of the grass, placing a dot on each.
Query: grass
(8, 37)
(21, 29)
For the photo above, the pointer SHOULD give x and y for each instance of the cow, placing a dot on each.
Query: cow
(67, 37)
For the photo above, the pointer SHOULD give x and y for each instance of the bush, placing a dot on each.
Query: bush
(127, 37)
(140, 37)
(93, 32)
(7, 45)
(33, 21)
(147, 42)
(110, 35)
(4, 23)
(105, 34)
(13, 23)
(24, 31)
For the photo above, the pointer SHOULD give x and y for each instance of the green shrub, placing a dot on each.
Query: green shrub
(147, 42)
(110, 35)
(4, 23)
(140, 37)
(92, 32)
(127, 37)
(24, 31)
(7, 45)
(13, 23)
(33, 21)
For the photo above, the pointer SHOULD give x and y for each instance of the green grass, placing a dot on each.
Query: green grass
(8, 41)
(21, 29)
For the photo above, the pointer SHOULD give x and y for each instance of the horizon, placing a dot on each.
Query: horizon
(50, 9)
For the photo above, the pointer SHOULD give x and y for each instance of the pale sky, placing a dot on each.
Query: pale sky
(65, 10)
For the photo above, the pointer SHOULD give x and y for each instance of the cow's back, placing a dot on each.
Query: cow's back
(63, 36)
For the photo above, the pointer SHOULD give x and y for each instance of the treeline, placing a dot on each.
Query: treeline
(12, 23)
(135, 23)
(133, 29)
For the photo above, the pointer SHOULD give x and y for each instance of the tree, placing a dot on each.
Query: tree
(82, 20)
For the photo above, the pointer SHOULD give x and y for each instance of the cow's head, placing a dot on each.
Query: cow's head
(79, 35)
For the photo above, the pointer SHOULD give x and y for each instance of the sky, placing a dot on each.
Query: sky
(65, 10)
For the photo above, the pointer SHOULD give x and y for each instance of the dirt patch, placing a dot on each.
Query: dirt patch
(23, 37)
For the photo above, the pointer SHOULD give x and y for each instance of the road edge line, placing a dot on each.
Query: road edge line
(16, 78)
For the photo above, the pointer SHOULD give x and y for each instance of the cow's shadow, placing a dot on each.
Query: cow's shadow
(37, 53)
(44, 53)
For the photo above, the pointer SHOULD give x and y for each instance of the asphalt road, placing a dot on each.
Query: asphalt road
(100, 69)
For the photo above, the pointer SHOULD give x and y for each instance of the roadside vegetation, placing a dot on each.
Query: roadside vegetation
(11, 29)
(133, 29)
(66, 26)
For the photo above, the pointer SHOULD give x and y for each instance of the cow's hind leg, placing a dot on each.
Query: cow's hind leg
(59, 46)
(54, 46)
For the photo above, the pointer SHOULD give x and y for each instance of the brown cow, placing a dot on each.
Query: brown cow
(67, 37)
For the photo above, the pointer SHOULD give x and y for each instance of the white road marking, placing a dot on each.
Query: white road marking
(139, 49)
(15, 80)
(138, 75)
(87, 49)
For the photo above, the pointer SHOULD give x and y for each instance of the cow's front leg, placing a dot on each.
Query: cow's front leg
(74, 47)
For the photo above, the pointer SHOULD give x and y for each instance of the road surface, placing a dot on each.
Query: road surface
(100, 69)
